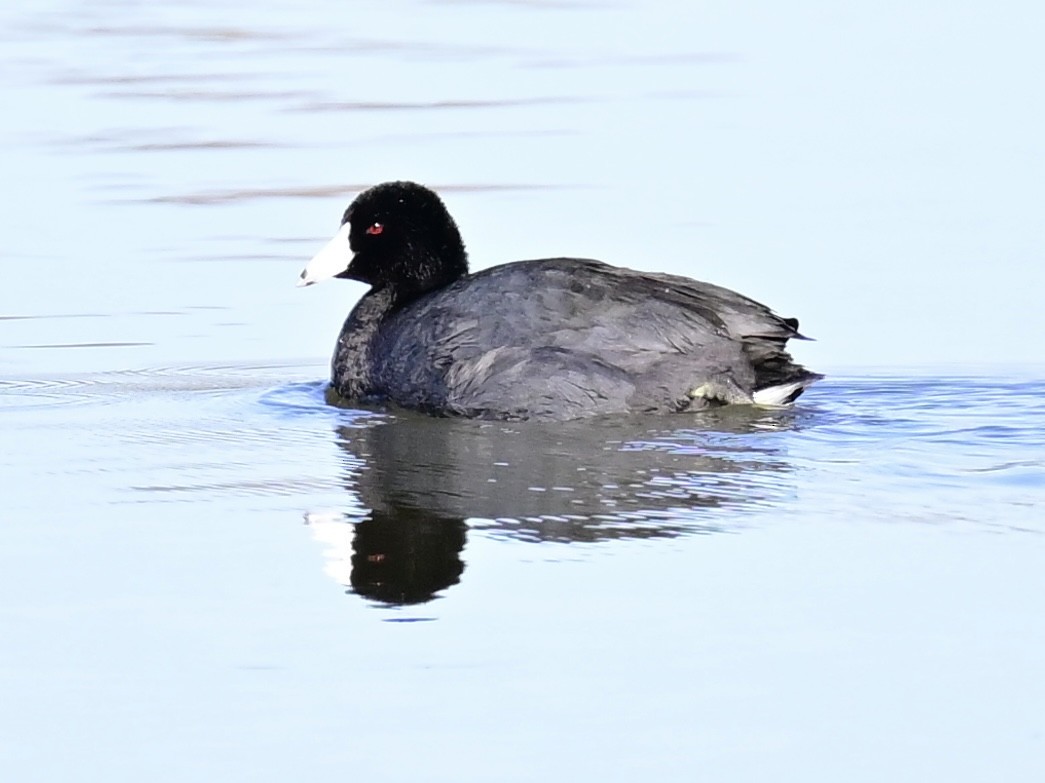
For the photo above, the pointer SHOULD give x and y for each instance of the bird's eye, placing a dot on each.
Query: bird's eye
(375, 228)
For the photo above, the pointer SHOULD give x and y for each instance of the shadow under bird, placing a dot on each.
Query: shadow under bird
(548, 339)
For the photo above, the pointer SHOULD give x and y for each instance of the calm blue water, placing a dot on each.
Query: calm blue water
(207, 573)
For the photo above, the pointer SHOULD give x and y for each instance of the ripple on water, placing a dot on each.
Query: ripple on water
(939, 450)
(27, 393)
(925, 448)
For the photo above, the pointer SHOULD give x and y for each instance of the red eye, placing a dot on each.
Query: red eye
(375, 229)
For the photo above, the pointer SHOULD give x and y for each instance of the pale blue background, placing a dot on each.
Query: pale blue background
(875, 170)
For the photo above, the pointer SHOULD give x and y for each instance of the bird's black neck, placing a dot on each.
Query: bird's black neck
(353, 350)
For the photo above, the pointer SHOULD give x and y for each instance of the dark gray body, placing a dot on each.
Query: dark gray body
(557, 339)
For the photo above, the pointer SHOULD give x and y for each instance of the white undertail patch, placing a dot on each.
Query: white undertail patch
(777, 395)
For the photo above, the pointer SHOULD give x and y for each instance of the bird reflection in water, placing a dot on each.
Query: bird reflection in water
(406, 556)
(414, 480)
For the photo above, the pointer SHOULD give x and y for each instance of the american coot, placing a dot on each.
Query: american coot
(551, 339)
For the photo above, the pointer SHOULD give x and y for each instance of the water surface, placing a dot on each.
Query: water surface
(212, 559)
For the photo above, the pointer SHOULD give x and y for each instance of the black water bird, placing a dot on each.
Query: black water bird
(549, 339)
